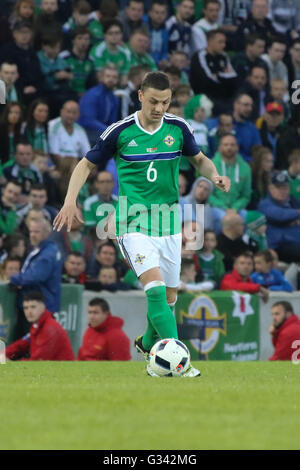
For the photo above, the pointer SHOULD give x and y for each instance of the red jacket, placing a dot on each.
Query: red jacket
(284, 337)
(107, 342)
(233, 281)
(47, 341)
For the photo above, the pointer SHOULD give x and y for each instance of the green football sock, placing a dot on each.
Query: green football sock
(159, 314)
(150, 337)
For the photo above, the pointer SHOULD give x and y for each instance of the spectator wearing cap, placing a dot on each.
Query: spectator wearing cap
(285, 330)
(21, 53)
(256, 227)
(274, 59)
(271, 126)
(104, 340)
(283, 218)
(47, 340)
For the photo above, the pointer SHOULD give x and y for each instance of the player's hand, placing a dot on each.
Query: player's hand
(222, 182)
(66, 215)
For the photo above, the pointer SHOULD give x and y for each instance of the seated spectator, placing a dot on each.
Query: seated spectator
(129, 96)
(35, 129)
(243, 62)
(174, 76)
(267, 276)
(210, 260)
(197, 109)
(47, 340)
(261, 166)
(270, 127)
(230, 163)
(15, 245)
(256, 227)
(239, 278)
(106, 256)
(212, 74)
(41, 270)
(21, 52)
(246, 133)
(10, 132)
(285, 330)
(211, 12)
(110, 51)
(275, 53)
(74, 240)
(22, 170)
(257, 22)
(107, 280)
(8, 216)
(175, 109)
(182, 94)
(138, 46)
(50, 177)
(132, 18)
(293, 173)
(224, 126)
(99, 107)
(74, 269)
(9, 74)
(80, 66)
(255, 86)
(179, 29)
(46, 23)
(104, 340)
(288, 141)
(199, 194)
(56, 73)
(68, 142)
(104, 185)
(279, 92)
(80, 17)
(231, 242)
(283, 214)
(11, 265)
(188, 278)
(156, 21)
(180, 59)
(292, 61)
(285, 20)
(37, 199)
(23, 11)
(107, 11)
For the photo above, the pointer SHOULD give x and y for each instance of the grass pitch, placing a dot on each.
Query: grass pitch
(114, 405)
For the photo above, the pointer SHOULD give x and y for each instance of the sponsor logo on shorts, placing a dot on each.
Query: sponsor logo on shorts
(169, 140)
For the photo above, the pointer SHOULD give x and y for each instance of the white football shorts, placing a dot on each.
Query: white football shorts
(145, 252)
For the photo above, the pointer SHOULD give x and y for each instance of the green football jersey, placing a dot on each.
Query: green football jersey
(81, 69)
(147, 166)
(100, 55)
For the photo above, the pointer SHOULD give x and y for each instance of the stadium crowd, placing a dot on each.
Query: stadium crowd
(72, 68)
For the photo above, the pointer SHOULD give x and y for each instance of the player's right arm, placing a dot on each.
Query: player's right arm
(70, 211)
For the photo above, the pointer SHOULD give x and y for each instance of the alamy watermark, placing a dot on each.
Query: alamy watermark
(2, 352)
(158, 220)
(2, 92)
(296, 354)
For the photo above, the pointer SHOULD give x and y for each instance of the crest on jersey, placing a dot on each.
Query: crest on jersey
(169, 140)
(139, 259)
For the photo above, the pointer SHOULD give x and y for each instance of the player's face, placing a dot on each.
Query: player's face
(278, 315)
(244, 266)
(33, 310)
(154, 103)
(96, 315)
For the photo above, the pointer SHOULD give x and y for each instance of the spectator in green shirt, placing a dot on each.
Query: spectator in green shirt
(109, 51)
(8, 215)
(139, 43)
(228, 162)
(77, 60)
(293, 173)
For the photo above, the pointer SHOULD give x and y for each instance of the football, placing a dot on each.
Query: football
(169, 358)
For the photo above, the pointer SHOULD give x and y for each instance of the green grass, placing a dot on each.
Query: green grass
(101, 405)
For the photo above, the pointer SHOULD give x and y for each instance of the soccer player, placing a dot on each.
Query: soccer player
(147, 146)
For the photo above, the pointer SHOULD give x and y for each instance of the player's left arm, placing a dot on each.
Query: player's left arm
(207, 168)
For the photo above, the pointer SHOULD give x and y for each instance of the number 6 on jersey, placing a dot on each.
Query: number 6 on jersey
(152, 171)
